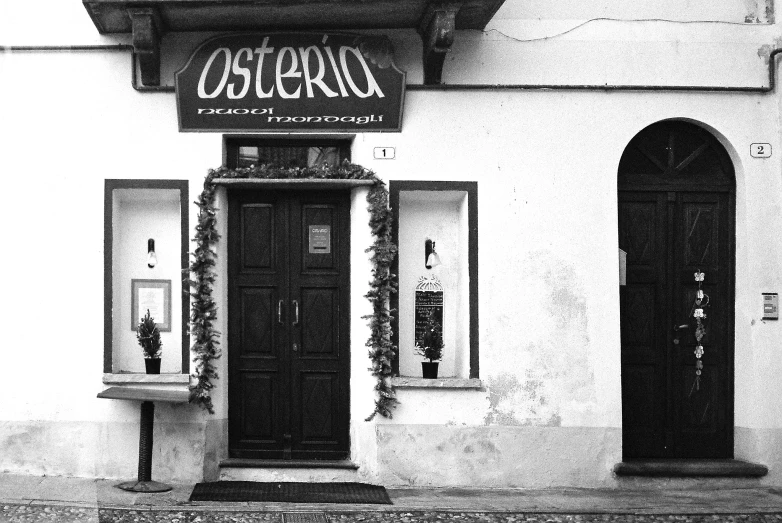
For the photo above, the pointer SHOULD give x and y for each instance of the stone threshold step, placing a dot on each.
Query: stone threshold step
(731, 468)
(287, 464)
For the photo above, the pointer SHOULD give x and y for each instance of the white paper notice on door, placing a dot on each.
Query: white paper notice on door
(320, 239)
(622, 267)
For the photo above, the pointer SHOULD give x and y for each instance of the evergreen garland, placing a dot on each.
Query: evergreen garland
(202, 277)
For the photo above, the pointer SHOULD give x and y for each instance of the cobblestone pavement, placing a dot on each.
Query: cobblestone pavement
(10, 513)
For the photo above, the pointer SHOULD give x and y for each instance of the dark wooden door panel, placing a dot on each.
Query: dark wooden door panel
(319, 323)
(668, 237)
(639, 304)
(259, 393)
(702, 403)
(698, 407)
(258, 239)
(288, 325)
(638, 236)
(643, 216)
(642, 427)
(321, 366)
(319, 393)
(257, 309)
(257, 272)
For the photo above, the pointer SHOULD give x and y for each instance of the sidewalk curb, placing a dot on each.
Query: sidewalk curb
(342, 509)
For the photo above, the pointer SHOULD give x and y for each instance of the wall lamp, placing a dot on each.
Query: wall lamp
(151, 256)
(430, 255)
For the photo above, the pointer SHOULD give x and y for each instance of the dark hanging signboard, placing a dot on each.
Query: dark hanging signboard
(291, 82)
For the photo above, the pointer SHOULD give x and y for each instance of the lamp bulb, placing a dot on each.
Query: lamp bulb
(151, 256)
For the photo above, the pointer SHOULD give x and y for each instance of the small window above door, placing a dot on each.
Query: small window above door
(247, 152)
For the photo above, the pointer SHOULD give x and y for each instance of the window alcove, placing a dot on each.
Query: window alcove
(445, 213)
(137, 211)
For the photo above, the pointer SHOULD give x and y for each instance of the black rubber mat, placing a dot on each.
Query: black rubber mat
(290, 492)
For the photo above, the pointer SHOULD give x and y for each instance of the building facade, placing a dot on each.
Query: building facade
(601, 181)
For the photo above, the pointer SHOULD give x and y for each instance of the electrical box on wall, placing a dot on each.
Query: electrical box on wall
(770, 306)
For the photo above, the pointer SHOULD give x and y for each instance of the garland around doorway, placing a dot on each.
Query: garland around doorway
(202, 277)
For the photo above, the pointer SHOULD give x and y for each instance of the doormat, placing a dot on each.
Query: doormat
(303, 517)
(290, 492)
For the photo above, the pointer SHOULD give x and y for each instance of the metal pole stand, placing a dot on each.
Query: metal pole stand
(144, 482)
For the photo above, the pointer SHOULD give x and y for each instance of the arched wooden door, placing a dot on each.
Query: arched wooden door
(676, 217)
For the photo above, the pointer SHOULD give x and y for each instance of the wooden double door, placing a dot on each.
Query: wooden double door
(676, 202)
(288, 326)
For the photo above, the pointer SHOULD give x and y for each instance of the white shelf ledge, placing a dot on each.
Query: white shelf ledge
(145, 394)
(404, 382)
(147, 379)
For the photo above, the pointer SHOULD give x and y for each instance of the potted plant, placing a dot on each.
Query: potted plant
(431, 347)
(148, 337)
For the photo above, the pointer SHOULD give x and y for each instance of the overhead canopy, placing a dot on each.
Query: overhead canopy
(435, 20)
(111, 16)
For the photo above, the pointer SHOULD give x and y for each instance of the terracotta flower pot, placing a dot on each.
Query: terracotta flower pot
(429, 368)
(152, 365)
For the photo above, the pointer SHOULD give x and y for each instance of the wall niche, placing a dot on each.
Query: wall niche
(137, 211)
(446, 214)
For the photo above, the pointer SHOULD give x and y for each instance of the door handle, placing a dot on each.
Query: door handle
(279, 312)
(295, 312)
(677, 329)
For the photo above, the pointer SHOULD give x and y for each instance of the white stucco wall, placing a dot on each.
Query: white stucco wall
(545, 162)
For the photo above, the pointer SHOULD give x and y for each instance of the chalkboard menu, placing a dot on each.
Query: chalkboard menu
(428, 299)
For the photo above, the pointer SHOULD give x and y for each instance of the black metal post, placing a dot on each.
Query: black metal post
(145, 441)
(144, 482)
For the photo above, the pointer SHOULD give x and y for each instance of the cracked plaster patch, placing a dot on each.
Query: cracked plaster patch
(765, 51)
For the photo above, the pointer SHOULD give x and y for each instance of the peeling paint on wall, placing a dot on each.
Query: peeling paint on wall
(548, 370)
(759, 11)
(435, 455)
(765, 51)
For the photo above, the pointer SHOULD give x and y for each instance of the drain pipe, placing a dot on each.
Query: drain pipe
(115, 48)
(442, 87)
(595, 87)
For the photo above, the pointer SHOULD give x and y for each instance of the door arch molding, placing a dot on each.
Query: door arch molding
(676, 190)
(730, 150)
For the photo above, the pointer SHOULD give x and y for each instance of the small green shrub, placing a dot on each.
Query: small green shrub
(148, 337)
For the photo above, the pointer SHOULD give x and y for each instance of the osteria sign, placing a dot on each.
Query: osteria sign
(291, 82)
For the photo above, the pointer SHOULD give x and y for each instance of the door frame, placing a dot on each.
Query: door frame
(301, 193)
(730, 292)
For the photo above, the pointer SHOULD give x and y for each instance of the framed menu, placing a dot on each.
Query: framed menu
(153, 296)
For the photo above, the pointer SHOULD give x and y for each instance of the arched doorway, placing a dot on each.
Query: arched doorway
(676, 189)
